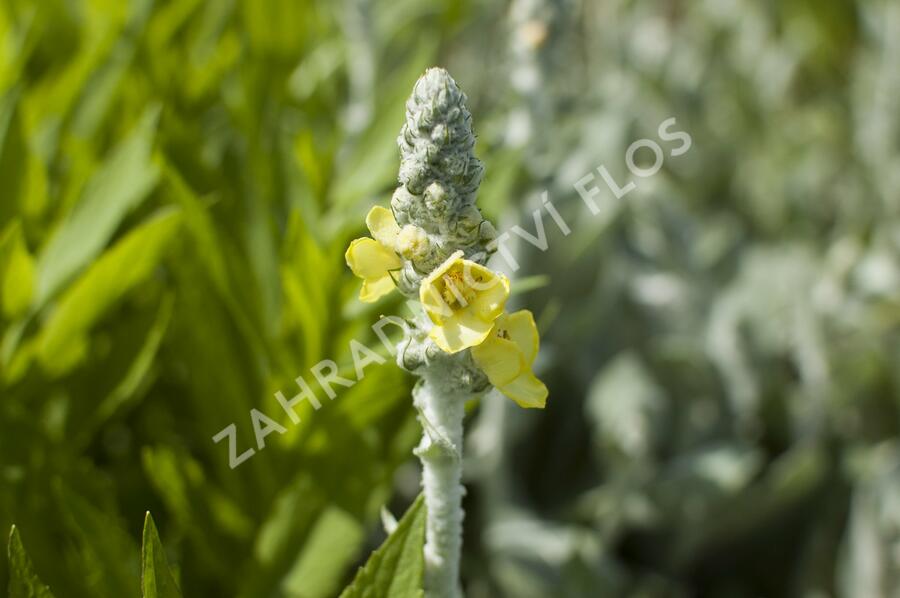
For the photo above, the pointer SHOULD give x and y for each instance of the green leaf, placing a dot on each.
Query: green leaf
(23, 581)
(212, 523)
(124, 181)
(107, 556)
(111, 386)
(17, 274)
(200, 226)
(156, 577)
(283, 534)
(119, 270)
(12, 156)
(331, 547)
(396, 569)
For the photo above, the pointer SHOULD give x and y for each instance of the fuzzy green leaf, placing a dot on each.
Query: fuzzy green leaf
(396, 569)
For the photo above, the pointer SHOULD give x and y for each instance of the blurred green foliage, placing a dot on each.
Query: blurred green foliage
(180, 180)
(178, 184)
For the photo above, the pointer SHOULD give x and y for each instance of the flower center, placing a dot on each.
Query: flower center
(456, 293)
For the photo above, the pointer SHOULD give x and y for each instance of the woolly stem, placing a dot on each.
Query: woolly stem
(441, 412)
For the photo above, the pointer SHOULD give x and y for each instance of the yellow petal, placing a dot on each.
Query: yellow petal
(467, 321)
(433, 303)
(490, 301)
(523, 332)
(430, 294)
(499, 359)
(438, 272)
(374, 289)
(382, 225)
(460, 331)
(481, 278)
(527, 391)
(370, 259)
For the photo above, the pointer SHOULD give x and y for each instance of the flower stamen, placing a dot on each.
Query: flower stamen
(457, 294)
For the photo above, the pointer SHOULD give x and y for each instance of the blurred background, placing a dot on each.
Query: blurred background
(722, 346)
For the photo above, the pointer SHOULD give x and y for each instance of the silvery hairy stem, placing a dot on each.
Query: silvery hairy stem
(442, 410)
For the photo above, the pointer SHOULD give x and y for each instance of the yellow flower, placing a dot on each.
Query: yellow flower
(374, 259)
(506, 357)
(462, 299)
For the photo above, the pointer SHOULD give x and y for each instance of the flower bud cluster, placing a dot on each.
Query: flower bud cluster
(439, 178)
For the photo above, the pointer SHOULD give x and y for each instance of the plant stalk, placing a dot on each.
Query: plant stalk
(441, 412)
